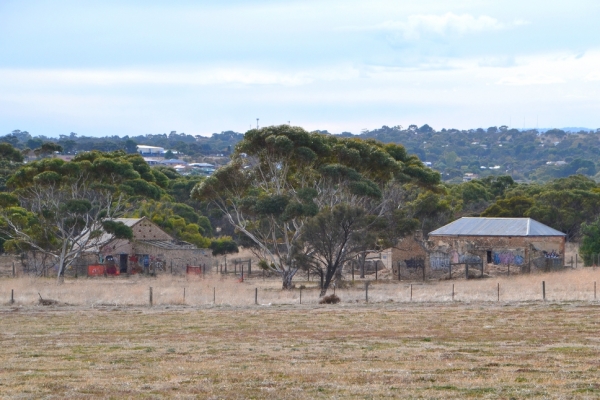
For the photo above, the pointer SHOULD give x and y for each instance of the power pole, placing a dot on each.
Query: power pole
(256, 123)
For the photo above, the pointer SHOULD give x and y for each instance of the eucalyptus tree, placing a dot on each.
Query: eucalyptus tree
(280, 177)
(61, 209)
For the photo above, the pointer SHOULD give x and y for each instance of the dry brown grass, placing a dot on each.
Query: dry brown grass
(102, 340)
(570, 285)
(418, 350)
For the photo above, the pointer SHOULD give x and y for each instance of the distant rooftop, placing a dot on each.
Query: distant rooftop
(469, 226)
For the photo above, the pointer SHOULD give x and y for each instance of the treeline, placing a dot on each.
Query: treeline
(218, 143)
(526, 155)
(296, 197)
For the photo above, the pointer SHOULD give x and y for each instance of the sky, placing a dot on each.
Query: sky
(132, 67)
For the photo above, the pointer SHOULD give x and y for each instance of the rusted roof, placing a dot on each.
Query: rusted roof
(471, 226)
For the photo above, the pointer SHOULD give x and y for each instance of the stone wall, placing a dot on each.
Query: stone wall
(519, 251)
(408, 258)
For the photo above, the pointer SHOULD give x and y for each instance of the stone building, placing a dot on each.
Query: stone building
(409, 257)
(520, 242)
(151, 249)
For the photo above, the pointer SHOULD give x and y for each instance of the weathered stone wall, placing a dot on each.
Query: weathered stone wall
(498, 250)
(408, 258)
(147, 230)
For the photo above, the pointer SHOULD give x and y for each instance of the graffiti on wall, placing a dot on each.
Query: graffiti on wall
(469, 259)
(439, 261)
(415, 263)
(506, 257)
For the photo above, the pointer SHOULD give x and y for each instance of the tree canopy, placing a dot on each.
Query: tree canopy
(281, 176)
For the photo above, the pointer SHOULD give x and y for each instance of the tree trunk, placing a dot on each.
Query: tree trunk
(361, 264)
(61, 265)
(287, 277)
(330, 272)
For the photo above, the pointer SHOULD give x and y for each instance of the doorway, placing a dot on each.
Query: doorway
(123, 263)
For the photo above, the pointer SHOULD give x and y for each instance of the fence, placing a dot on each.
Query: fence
(212, 291)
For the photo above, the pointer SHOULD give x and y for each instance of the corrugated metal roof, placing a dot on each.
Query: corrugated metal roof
(470, 226)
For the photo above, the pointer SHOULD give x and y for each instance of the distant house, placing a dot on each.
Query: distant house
(150, 245)
(173, 161)
(152, 160)
(470, 176)
(150, 151)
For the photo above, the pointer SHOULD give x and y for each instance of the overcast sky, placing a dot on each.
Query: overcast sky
(134, 67)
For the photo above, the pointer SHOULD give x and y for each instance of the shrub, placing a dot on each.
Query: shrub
(331, 299)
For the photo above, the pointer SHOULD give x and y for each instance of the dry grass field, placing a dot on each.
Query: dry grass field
(102, 340)
(386, 350)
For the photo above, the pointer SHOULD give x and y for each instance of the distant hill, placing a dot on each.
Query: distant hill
(526, 155)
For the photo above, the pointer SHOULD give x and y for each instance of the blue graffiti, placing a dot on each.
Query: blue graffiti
(508, 257)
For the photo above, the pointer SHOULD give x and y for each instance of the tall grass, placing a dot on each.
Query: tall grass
(571, 285)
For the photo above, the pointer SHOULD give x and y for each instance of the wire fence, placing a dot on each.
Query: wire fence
(210, 291)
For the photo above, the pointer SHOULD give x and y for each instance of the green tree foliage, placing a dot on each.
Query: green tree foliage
(290, 175)
(564, 204)
(590, 243)
(223, 245)
(9, 153)
(169, 155)
(64, 206)
(336, 235)
(10, 160)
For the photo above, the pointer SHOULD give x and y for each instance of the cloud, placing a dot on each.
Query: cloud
(527, 80)
(416, 27)
(204, 76)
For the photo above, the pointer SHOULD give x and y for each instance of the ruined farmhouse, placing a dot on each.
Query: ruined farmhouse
(150, 249)
(523, 243)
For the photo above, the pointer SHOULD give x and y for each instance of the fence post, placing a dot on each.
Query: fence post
(453, 290)
(594, 290)
(423, 272)
(14, 269)
(255, 295)
(353, 272)
(367, 291)
(576, 260)
(498, 291)
(301, 295)
(242, 272)
(411, 292)
(375, 270)
(308, 274)
(466, 270)
(450, 267)
(12, 294)
(184, 294)
(544, 290)
(150, 296)
(482, 268)
(214, 294)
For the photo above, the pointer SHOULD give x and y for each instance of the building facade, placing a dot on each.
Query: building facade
(521, 242)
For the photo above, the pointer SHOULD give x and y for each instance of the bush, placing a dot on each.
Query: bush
(331, 299)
